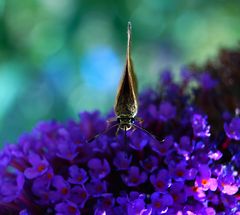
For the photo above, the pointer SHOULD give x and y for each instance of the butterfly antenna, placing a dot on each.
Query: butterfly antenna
(129, 32)
(101, 133)
(146, 131)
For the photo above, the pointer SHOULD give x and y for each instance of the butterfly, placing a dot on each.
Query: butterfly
(126, 102)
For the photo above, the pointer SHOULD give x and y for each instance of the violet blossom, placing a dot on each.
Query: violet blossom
(180, 169)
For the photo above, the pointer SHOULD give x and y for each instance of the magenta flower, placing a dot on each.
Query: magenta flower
(204, 179)
(227, 183)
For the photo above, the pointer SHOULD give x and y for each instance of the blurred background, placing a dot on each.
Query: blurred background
(60, 57)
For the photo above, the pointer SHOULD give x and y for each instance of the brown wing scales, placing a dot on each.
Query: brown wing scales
(126, 99)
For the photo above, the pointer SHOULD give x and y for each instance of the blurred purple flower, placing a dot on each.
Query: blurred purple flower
(166, 111)
(206, 81)
(233, 128)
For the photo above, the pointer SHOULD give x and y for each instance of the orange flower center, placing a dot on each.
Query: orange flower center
(195, 189)
(160, 184)
(157, 204)
(41, 167)
(134, 179)
(180, 173)
(72, 209)
(204, 181)
(64, 191)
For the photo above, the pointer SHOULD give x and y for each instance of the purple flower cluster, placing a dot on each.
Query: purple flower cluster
(192, 170)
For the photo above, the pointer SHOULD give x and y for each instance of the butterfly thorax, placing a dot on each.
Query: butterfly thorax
(125, 121)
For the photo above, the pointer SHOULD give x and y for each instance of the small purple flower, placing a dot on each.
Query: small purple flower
(134, 177)
(62, 188)
(39, 166)
(67, 208)
(204, 179)
(179, 171)
(96, 187)
(162, 148)
(178, 193)
(185, 146)
(67, 150)
(98, 168)
(79, 195)
(160, 202)
(77, 175)
(166, 111)
(41, 187)
(200, 126)
(196, 192)
(122, 160)
(227, 184)
(150, 163)
(137, 206)
(229, 201)
(105, 203)
(11, 187)
(166, 76)
(233, 128)
(161, 181)
(138, 140)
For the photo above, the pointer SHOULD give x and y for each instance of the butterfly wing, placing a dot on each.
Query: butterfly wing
(126, 100)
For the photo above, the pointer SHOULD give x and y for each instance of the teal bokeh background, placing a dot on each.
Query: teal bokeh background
(61, 57)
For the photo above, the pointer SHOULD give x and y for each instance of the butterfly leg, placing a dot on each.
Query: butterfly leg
(111, 120)
(140, 120)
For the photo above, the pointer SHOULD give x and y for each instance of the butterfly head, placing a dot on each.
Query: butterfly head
(125, 122)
